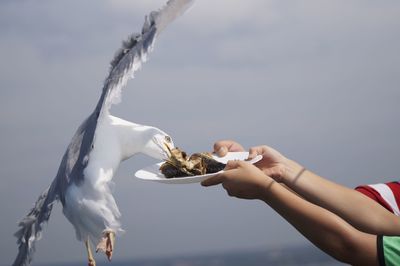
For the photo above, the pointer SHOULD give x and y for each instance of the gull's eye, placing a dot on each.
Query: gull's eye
(168, 139)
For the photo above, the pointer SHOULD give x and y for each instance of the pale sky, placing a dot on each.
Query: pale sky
(318, 80)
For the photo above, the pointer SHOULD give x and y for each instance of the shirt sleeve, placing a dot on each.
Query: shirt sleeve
(388, 250)
(387, 195)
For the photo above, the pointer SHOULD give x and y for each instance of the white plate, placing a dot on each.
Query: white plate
(152, 173)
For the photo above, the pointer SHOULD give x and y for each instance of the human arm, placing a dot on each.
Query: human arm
(323, 228)
(352, 206)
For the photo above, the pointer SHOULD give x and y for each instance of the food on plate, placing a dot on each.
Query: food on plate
(180, 165)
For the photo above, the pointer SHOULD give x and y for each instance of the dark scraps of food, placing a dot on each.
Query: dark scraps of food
(179, 165)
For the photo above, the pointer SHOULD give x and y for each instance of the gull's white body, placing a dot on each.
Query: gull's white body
(91, 207)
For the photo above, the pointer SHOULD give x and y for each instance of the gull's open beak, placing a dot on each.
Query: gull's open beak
(167, 149)
(165, 146)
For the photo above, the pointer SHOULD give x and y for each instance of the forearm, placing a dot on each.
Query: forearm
(357, 209)
(326, 230)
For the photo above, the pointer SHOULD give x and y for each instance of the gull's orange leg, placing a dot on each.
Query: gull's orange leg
(91, 261)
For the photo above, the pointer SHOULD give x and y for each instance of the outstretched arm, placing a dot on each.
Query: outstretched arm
(358, 210)
(354, 207)
(323, 228)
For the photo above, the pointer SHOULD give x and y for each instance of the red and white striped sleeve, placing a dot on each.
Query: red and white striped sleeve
(388, 195)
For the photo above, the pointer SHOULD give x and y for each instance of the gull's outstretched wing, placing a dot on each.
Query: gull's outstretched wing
(71, 169)
(126, 61)
(135, 49)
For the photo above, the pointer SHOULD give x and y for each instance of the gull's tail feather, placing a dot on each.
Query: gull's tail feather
(31, 227)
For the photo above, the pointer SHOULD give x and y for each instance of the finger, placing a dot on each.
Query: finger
(221, 152)
(212, 181)
(233, 164)
(230, 192)
(254, 151)
(259, 164)
(223, 146)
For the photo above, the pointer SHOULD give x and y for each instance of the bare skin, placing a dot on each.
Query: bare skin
(345, 231)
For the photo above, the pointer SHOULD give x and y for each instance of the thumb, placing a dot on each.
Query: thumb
(222, 151)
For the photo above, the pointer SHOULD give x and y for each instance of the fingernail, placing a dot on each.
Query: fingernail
(222, 151)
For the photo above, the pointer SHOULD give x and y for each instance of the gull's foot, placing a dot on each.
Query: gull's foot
(91, 262)
(106, 244)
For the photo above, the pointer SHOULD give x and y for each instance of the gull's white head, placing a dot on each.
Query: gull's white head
(158, 144)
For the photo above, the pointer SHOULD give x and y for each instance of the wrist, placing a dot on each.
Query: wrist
(265, 188)
(292, 171)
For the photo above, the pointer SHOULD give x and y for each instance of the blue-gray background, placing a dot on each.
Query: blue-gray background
(318, 80)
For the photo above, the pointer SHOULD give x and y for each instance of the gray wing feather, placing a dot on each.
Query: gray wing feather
(71, 169)
(32, 225)
(172, 10)
(135, 49)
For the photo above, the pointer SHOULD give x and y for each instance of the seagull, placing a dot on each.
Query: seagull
(84, 178)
